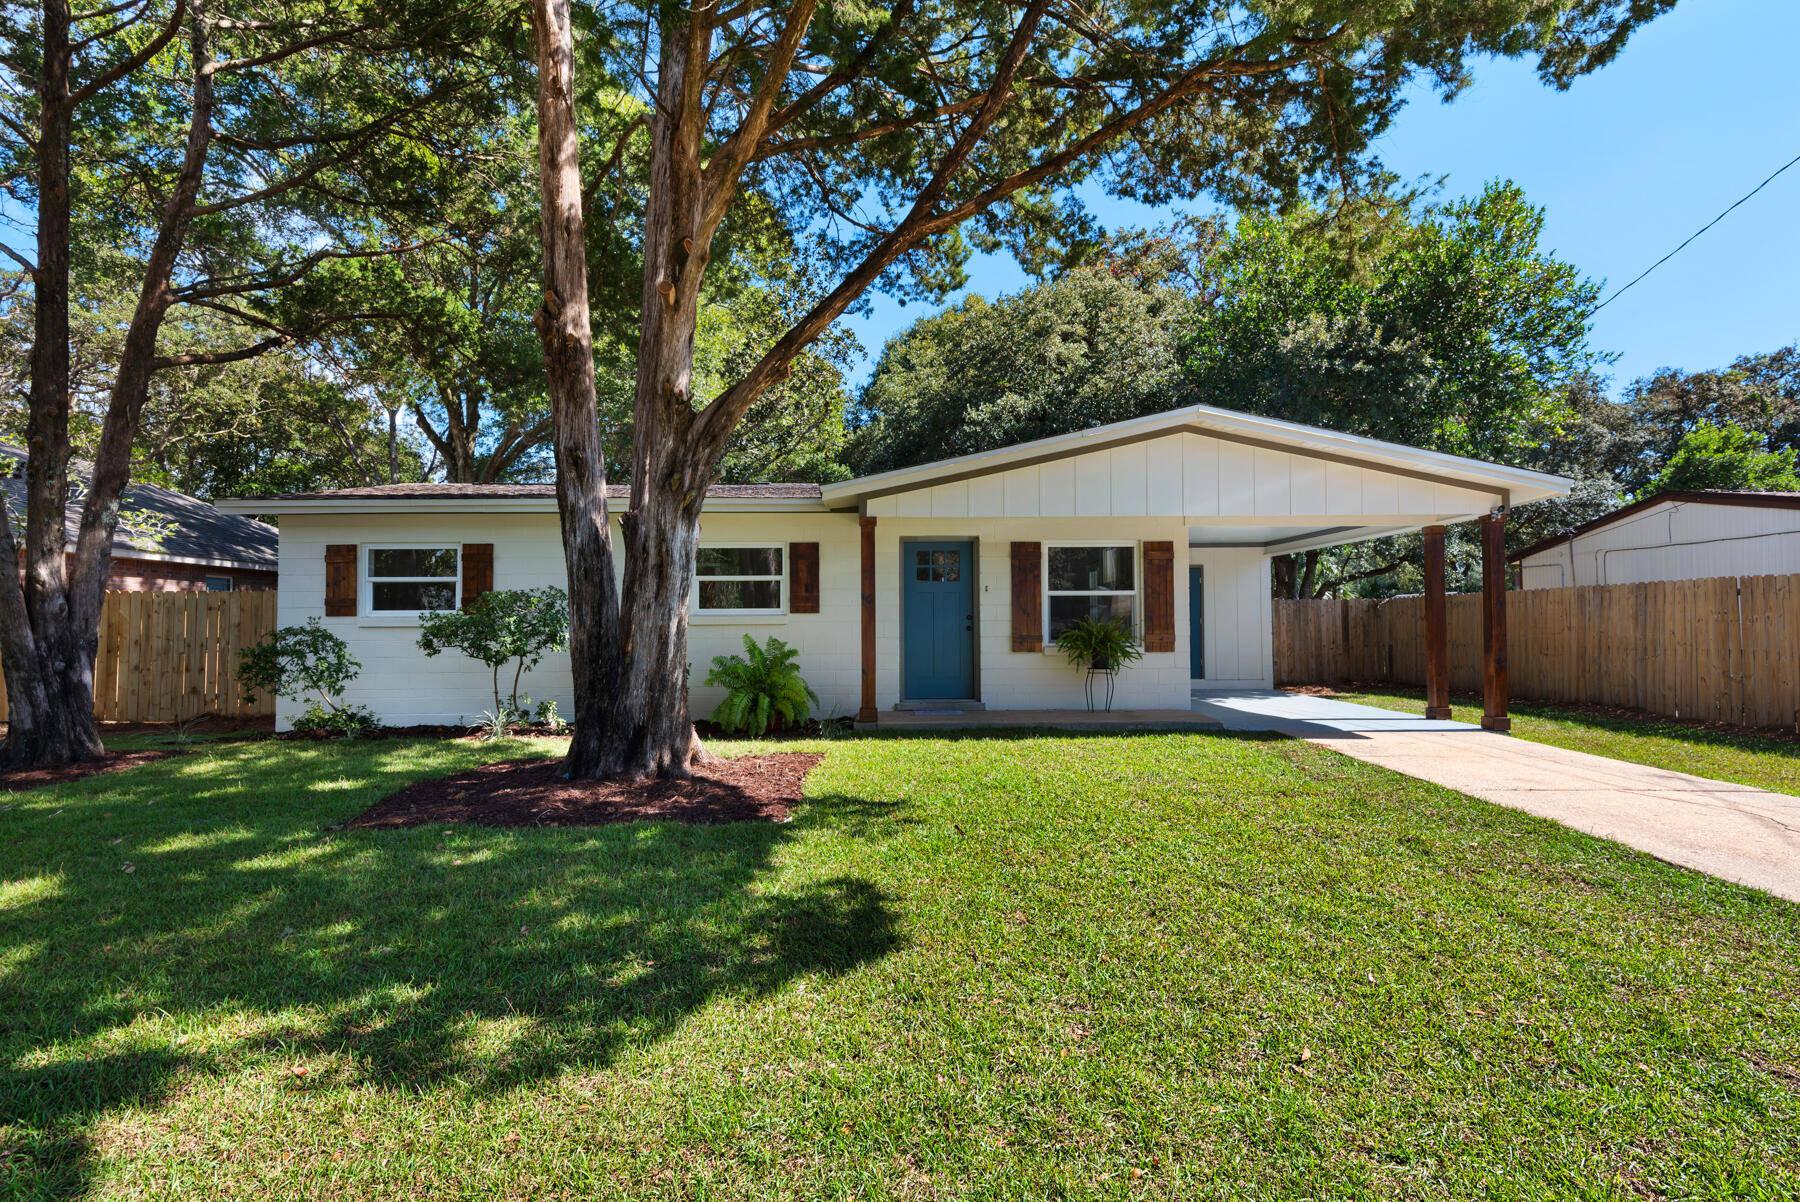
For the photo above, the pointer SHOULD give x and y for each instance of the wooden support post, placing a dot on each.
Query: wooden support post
(867, 712)
(1493, 622)
(1437, 628)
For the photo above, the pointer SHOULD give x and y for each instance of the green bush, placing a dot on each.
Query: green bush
(512, 624)
(344, 720)
(763, 689)
(296, 660)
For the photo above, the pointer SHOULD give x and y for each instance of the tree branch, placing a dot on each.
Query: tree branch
(197, 293)
(125, 67)
(720, 177)
(769, 150)
(21, 260)
(920, 223)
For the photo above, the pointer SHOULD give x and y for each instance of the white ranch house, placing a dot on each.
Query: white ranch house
(933, 586)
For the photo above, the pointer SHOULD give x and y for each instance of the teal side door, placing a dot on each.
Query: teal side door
(938, 601)
(1196, 622)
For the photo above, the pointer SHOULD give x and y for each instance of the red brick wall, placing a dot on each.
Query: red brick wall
(159, 576)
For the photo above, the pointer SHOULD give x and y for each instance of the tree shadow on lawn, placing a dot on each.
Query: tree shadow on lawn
(248, 940)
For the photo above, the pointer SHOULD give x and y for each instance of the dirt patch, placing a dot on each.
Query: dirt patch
(751, 788)
(18, 780)
(264, 725)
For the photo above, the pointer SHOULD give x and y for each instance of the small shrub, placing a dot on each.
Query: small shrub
(763, 688)
(549, 717)
(296, 660)
(496, 724)
(512, 624)
(344, 720)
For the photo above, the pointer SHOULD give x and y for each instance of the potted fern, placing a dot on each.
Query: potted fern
(1101, 647)
(763, 689)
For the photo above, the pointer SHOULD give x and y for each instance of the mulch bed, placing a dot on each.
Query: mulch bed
(751, 788)
(18, 780)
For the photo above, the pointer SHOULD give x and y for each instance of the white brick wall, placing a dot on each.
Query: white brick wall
(404, 687)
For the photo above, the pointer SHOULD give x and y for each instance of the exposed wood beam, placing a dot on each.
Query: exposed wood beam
(1493, 622)
(1437, 629)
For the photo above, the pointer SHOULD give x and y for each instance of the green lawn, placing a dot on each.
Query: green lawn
(1746, 759)
(1180, 966)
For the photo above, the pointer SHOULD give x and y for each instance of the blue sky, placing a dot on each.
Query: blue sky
(1700, 107)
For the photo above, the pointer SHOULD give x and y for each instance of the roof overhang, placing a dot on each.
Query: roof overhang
(1515, 486)
(410, 505)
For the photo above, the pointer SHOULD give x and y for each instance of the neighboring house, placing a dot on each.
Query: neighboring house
(933, 586)
(1672, 536)
(181, 544)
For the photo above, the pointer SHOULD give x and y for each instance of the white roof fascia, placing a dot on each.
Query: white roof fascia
(416, 505)
(1521, 483)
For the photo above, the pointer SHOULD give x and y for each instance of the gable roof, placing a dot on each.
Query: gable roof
(1513, 486)
(1743, 498)
(1517, 485)
(201, 533)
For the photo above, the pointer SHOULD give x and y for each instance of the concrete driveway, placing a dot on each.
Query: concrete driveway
(1734, 832)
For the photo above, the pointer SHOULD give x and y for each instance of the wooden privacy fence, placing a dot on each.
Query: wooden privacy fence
(1723, 649)
(166, 657)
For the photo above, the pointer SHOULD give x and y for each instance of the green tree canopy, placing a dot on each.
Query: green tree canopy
(1096, 345)
(1456, 331)
(1727, 456)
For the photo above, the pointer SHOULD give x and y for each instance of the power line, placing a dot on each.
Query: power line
(1746, 196)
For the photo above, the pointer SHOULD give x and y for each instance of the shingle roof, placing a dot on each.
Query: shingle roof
(201, 531)
(446, 492)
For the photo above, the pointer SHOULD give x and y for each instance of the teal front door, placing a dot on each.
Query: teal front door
(938, 601)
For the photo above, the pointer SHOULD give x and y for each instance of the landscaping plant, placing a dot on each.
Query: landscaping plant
(294, 661)
(763, 688)
(1102, 646)
(517, 625)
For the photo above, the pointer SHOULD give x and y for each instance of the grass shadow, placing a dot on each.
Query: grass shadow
(171, 920)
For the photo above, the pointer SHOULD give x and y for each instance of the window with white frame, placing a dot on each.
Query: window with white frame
(1092, 580)
(218, 584)
(739, 579)
(404, 580)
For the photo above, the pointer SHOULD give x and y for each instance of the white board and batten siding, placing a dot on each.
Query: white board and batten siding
(1672, 540)
(1191, 476)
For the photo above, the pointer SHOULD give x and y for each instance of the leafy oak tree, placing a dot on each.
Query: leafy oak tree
(1451, 329)
(235, 151)
(895, 135)
(1727, 456)
(1758, 393)
(1095, 345)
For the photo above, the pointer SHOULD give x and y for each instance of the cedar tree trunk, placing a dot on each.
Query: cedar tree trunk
(50, 621)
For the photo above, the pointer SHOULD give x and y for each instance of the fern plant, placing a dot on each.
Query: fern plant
(763, 688)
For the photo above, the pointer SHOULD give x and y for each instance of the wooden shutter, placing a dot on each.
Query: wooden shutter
(1028, 596)
(340, 580)
(1159, 596)
(477, 572)
(803, 578)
